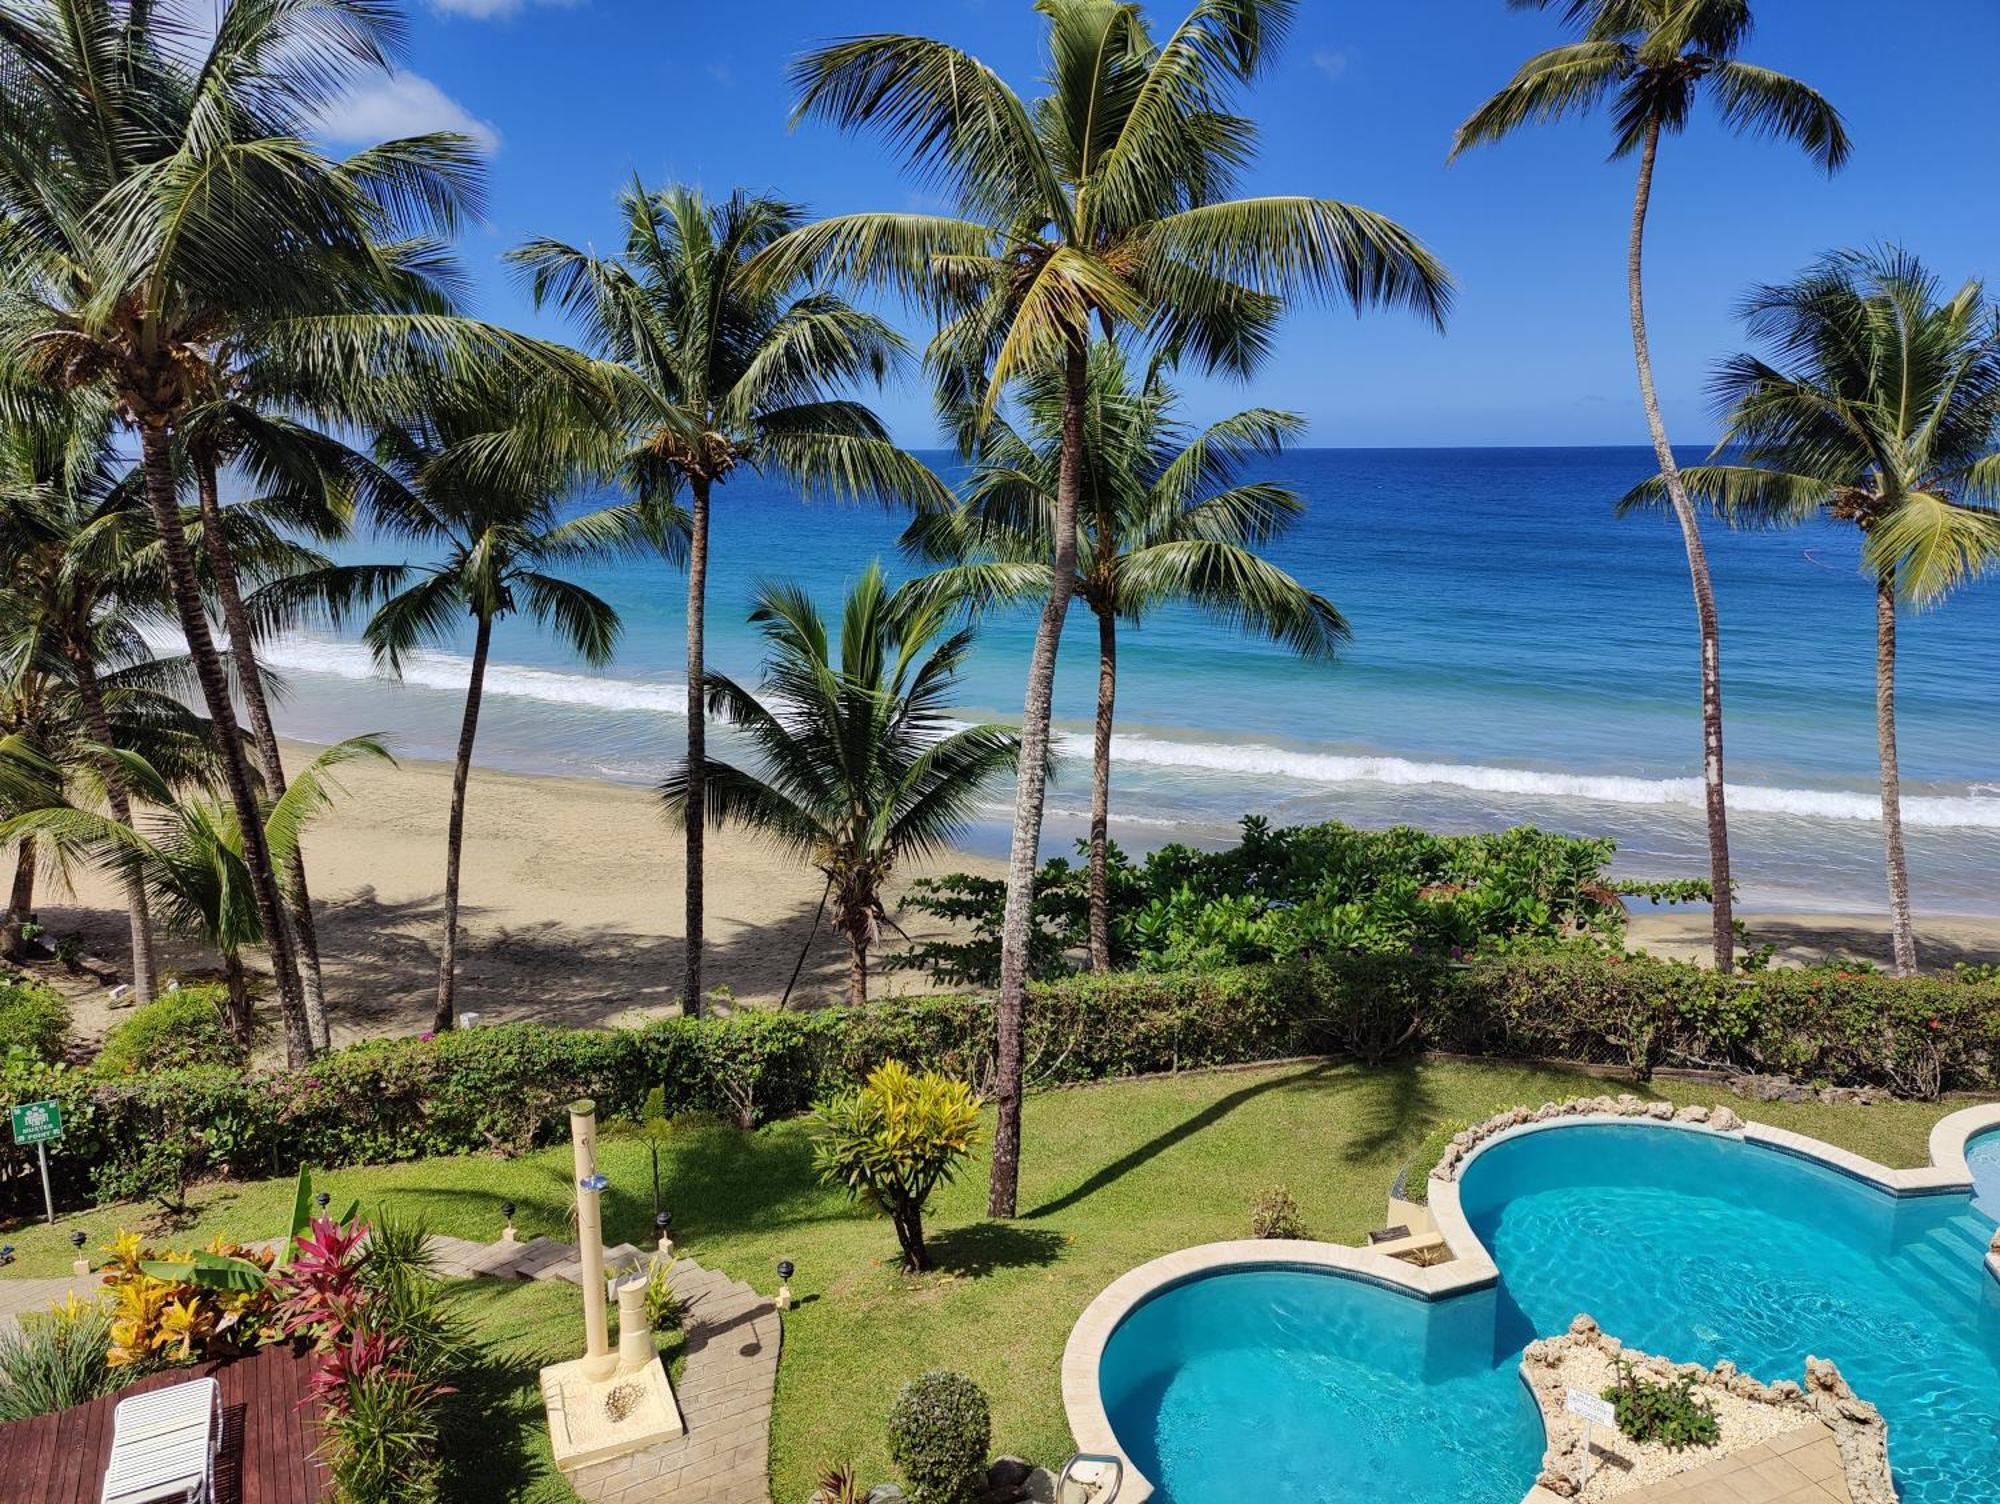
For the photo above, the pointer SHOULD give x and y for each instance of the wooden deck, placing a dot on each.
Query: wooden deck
(267, 1438)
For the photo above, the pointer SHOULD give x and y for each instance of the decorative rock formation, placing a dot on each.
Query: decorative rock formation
(1551, 1365)
(1720, 1120)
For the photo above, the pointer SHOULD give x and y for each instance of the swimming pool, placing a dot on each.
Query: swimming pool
(1983, 1156)
(1326, 1388)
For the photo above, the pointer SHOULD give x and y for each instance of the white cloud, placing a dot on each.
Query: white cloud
(1330, 62)
(486, 10)
(402, 104)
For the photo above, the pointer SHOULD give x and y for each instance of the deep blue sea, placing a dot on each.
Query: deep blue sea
(1520, 655)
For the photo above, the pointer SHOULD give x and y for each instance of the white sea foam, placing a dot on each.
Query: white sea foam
(1978, 809)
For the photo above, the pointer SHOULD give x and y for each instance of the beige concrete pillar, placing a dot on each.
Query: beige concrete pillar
(598, 1359)
(635, 1336)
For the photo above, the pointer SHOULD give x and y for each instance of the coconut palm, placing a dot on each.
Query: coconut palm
(862, 765)
(1652, 59)
(159, 195)
(1103, 206)
(727, 372)
(1165, 518)
(1878, 407)
(188, 854)
(483, 478)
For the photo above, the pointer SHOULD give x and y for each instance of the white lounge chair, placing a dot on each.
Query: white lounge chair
(164, 1444)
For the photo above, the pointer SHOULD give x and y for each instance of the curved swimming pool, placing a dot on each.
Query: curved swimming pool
(1327, 1389)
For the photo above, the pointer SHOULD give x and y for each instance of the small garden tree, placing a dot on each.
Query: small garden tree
(894, 1140)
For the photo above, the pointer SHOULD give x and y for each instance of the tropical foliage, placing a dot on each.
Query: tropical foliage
(1102, 206)
(1167, 518)
(862, 766)
(1650, 61)
(893, 1140)
(1876, 405)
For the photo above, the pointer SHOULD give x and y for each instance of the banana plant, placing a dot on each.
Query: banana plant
(221, 1272)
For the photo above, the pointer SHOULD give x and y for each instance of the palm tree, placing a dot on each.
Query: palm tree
(1165, 518)
(1879, 407)
(189, 856)
(1101, 207)
(482, 478)
(159, 198)
(1651, 59)
(862, 765)
(727, 371)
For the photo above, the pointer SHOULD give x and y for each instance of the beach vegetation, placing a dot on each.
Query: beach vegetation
(1873, 402)
(1102, 206)
(725, 364)
(34, 1020)
(861, 767)
(185, 1028)
(1651, 61)
(1168, 517)
(893, 1140)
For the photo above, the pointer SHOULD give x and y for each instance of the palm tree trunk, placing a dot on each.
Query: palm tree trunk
(158, 463)
(1724, 936)
(241, 1020)
(697, 739)
(1100, 788)
(1030, 791)
(454, 836)
(857, 972)
(250, 681)
(21, 899)
(1901, 927)
(145, 965)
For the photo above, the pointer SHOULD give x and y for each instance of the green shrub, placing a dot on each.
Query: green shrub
(939, 1432)
(1670, 1415)
(55, 1359)
(33, 1019)
(1274, 1214)
(893, 1140)
(176, 1031)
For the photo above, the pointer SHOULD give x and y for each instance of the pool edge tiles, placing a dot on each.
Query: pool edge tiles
(1471, 1267)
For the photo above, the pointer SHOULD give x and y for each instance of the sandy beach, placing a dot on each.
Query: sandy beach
(572, 910)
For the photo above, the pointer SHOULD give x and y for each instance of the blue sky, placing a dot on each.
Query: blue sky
(575, 96)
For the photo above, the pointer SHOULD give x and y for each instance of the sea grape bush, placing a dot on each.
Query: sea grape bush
(504, 1088)
(1298, 891)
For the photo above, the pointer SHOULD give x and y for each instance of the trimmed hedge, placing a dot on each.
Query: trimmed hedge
(33, 1018)
(503, 1088)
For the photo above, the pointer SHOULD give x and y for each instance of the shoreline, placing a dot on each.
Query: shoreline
(571, 909)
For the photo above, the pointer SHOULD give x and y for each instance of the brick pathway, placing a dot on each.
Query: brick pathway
(22, 1297)
(1800, 1467)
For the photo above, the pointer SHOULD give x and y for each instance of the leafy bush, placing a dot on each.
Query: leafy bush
(161, 1315)
(893, 1140)
(54, 1359)
(1299, 891)
(1274, 1214)
(33, 1019)
(176, 1031)
(665, 1310)
(1670, 1415)
(939, 1431)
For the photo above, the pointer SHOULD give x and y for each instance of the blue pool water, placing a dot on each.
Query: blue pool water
(1330, 1390)
(1983, 1154)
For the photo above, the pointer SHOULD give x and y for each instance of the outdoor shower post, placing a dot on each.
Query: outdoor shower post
(599, 1362)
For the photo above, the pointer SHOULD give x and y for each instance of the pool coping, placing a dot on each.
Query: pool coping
(1470, 1266)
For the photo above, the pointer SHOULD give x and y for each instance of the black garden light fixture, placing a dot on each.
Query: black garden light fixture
(786, 1269)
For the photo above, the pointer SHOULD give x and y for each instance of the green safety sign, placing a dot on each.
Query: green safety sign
(37, 1122)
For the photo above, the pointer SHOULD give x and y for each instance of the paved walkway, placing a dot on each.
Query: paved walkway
(27, 1297)
(1800, 1467)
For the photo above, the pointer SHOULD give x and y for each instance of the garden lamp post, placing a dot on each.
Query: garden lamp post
(81, 1266)
(507, 1211)
(786, 1269)
(663, 1225)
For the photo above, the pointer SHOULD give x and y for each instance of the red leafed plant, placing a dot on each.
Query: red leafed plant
(321, 1293)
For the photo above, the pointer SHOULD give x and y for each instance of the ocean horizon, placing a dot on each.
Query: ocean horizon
(1520, 655)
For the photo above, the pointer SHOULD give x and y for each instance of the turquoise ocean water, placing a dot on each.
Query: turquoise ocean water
(1520, 654)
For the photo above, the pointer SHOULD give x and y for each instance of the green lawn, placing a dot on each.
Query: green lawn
(1114, 1175)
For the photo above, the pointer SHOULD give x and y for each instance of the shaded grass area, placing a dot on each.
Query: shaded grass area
(1114, 1175)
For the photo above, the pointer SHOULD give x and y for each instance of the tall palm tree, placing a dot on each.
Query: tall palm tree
(188, 855)
(1103, 206)
(158, 198)
(862, 764)
(1878, 407)
(486, 478)
(1165, 518)
(1651, 59)
(727, 371)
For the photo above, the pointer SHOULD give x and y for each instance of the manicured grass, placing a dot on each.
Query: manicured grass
(1113, 1175)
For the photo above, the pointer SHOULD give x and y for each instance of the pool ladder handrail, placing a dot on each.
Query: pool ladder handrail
(1097, 1491)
